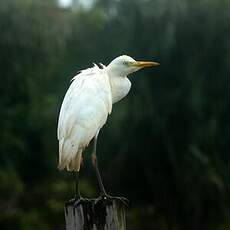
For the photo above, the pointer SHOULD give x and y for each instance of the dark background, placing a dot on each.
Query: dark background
(165, 146)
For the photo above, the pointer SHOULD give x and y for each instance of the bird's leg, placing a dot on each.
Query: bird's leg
(77, 190)
(104, 195)
(94, 161)
(77, 198)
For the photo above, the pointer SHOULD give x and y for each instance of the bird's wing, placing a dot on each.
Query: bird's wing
(84, 111)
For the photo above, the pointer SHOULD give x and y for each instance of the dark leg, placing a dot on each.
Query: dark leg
(104, 195)
(94, 161)
(77, 198)
(77, 191)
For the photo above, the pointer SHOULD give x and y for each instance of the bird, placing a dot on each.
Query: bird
(86, 106)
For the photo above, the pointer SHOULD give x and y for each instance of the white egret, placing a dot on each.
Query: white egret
(86, 106)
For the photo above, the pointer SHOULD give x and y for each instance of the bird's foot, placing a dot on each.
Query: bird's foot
(105, 198)
(77, 201)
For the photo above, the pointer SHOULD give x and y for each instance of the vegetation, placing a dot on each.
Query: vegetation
(165, 147)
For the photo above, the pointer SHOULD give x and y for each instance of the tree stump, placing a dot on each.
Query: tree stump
(96, 214)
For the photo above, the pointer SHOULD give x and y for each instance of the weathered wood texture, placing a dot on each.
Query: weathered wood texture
(95, 214)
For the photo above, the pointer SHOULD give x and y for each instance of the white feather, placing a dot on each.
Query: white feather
(84, 111)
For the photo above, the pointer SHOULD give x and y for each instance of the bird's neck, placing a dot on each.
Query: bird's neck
(120, 86)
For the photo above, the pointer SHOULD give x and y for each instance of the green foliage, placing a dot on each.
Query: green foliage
(165, 146)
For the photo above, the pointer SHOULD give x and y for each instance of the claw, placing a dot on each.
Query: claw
(109, 199)
(124, 200)
(81, 201)
(70, 202)
(77, 201)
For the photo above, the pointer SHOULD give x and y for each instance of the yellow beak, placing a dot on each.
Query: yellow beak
(144, 63)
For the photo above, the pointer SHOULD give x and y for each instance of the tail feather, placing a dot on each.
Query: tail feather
(75, 163)
(69, 156)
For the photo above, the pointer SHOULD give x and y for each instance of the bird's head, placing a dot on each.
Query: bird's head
(125, 65)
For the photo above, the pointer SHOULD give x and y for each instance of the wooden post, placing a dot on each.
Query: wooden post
(96, 214)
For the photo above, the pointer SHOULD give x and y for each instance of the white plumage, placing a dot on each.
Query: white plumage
(87, 104)
(84, 111)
